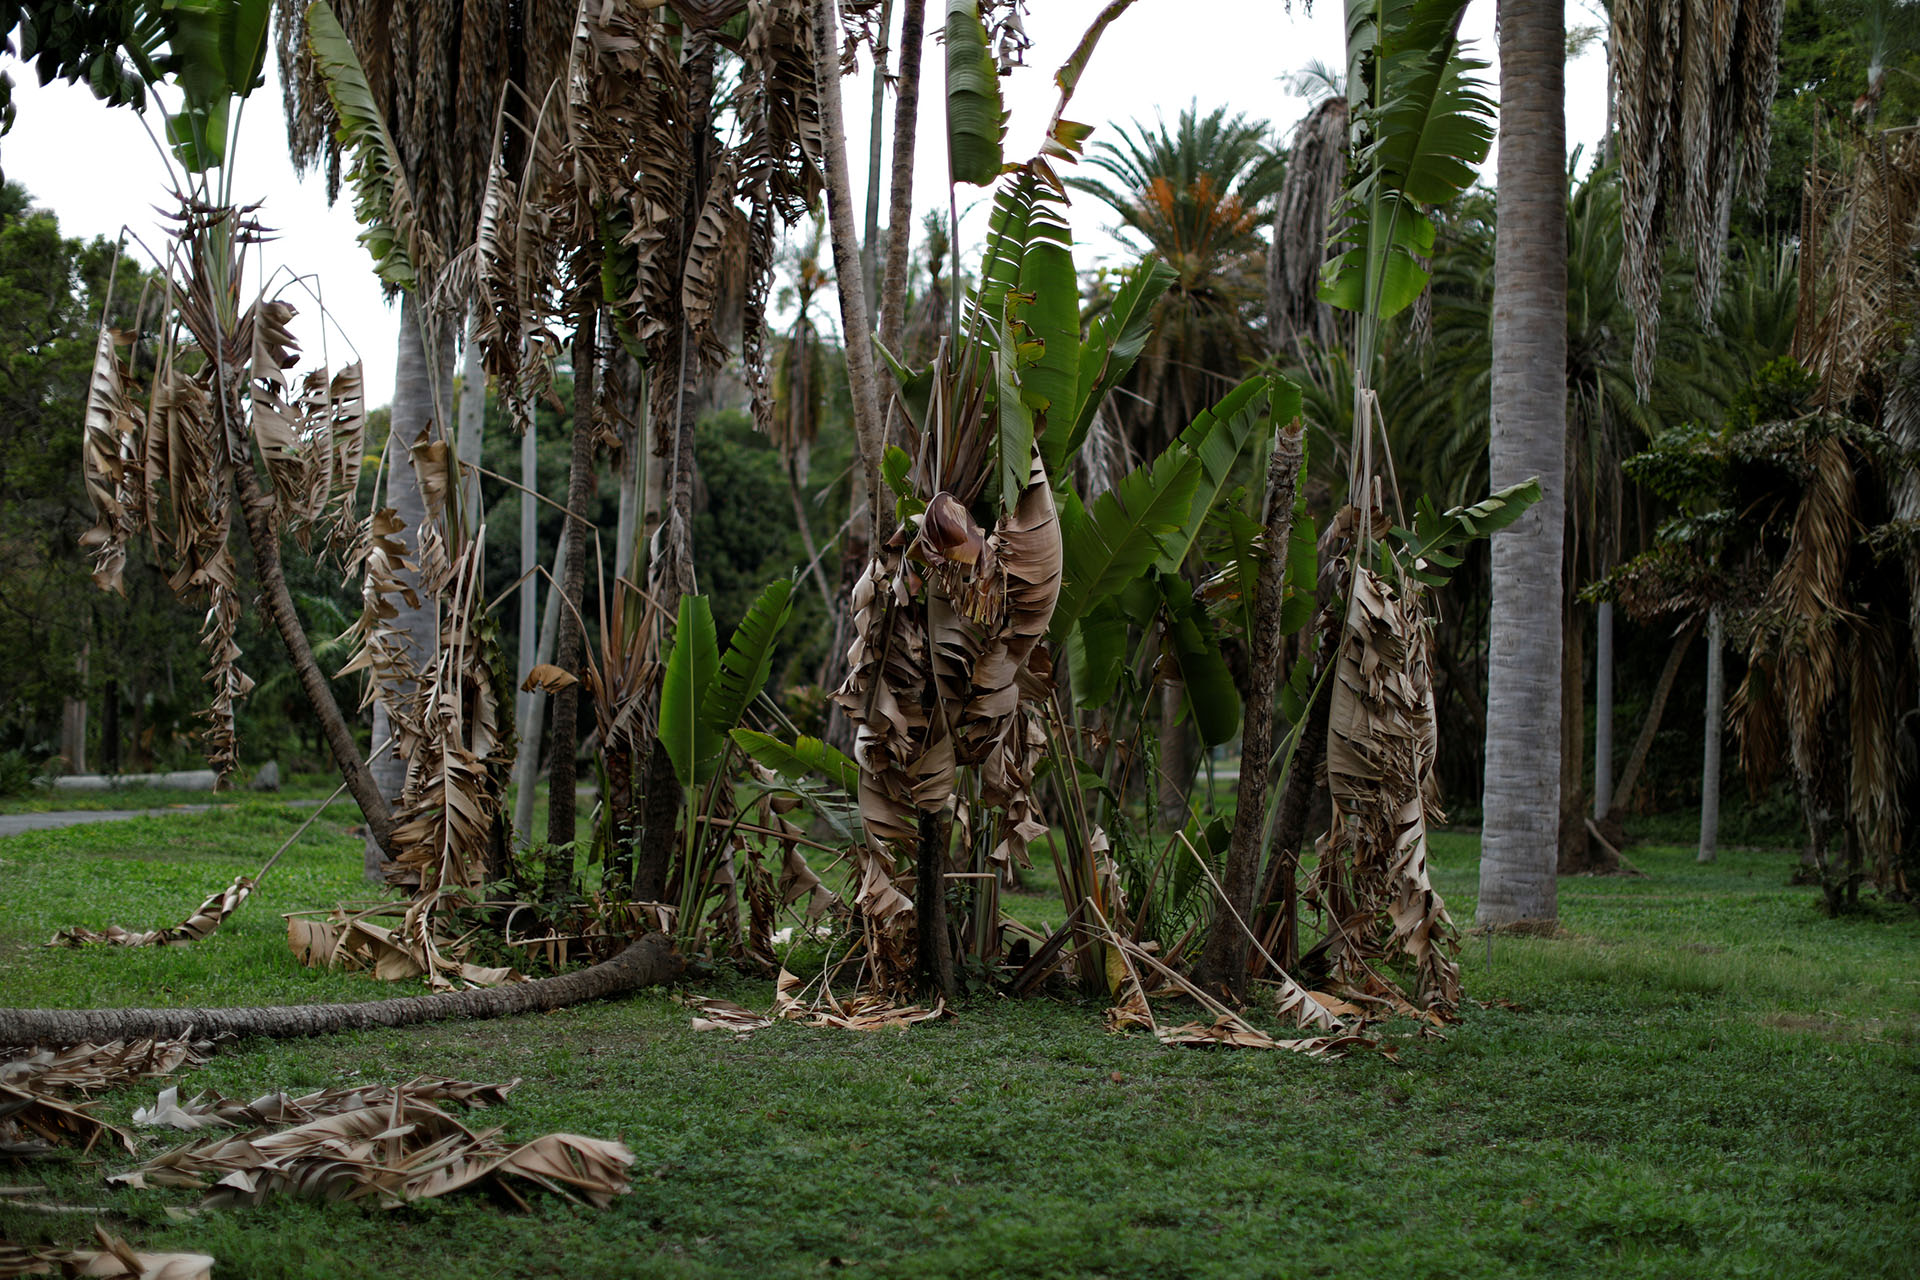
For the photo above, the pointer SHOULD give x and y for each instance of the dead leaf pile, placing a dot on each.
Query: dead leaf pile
(210, 915)
(210, 1110)
(36, 1115)
(113, 1258)
(403, 1150)
(724, 1015)
(862, 1013)
(345, 939)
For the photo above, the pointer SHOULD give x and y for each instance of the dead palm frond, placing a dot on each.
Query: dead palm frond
(1693, 85)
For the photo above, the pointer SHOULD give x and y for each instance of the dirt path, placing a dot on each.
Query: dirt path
(13, 824)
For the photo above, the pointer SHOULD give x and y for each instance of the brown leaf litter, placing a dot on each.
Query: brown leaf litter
(402, 1150)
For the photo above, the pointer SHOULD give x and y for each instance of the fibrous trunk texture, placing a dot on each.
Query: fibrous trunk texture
(648, 962)
(1716, 728)
(1519, 845)
(1225, 959)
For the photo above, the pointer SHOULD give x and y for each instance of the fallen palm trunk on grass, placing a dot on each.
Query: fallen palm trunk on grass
(648, 962)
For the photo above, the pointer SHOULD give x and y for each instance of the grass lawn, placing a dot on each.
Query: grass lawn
(1702, 1077)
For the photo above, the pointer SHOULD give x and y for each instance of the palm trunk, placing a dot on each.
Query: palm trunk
(1519, 848)
(876, 129)
(257, 508)
(906, 116)
(1710, 764)
(868, 429)
(1603, 709)
(566, 703)
(529, 708)
(423, 385)
(526, 765)
(648, 962)
(472, 419)
(1224, 963)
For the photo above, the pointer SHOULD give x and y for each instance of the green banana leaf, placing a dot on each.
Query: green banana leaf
(745, 665)
(800, 759)
(1120, 537)
(693, 745)
(976, 119)
(1114, 342)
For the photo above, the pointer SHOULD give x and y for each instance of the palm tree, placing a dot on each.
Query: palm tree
(437, 73)
(1196, 197)
(1527, 437)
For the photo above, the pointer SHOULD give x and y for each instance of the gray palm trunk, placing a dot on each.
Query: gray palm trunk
(1716, 718)
(1603, 710)
(1520, 835)
(422, 392)
(906, 113)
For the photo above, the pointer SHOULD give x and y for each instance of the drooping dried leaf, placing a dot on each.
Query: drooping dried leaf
(210, 915)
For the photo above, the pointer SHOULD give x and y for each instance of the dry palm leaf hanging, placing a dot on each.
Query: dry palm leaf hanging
(1693, 85)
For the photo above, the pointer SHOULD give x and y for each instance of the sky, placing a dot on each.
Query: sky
(98, 169)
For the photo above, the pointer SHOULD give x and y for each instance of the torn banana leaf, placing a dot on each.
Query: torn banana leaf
(210, 915)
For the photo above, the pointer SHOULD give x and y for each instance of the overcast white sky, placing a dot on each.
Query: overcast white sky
(96, 168)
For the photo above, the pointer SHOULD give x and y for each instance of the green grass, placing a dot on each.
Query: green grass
(139, 796)
(1703, 1076)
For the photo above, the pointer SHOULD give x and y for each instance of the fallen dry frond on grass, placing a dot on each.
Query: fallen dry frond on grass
(33, 1124)
(87, 1067)
(210, 915)
(113, 1258)
(210, 1110)
(398, 1151)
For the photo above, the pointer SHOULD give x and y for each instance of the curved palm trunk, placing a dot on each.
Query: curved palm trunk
(422, 391)
(1519, 838)
(1611, 825)
(648, 962)
(257, 506)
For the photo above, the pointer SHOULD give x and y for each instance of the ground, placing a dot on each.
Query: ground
(1703, 1076)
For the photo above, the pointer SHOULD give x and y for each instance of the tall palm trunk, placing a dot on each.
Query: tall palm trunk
(906, 115)
(1603, 709)
(566, 703)
(1519, 838)
(1716, 727)
(868, 429)
(422, 393)
(876, 139)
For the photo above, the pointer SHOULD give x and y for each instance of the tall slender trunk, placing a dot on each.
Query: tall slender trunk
(1519, 848)
(1224, 962)
(906, 122)
(566, 703)
(670, 576)
(257, 508)
(529, 707)
(633, 445)
(1179, 754)
(472, 420)
(73, 718)
(876, 130)
(1716, 717)
(422, 391)
(526, 765)
(868, 428)
(1603, 709)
